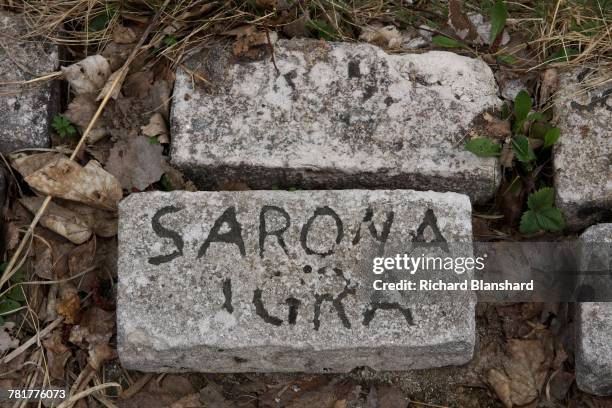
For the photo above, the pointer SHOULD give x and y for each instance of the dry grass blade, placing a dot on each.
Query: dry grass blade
(72, 400)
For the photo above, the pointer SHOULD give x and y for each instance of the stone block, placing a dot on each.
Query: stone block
(276, 281)
(25, 112)
(335, 115)
(594, 330)
(583, 155)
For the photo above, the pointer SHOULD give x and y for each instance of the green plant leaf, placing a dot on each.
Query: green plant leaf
(507, 59)
(153, 140)
(541, 199)
(483, 147)
(7, 306)
(522, 106)
(551, 137)
(529, 223)
(550, 219)
(535, 116)
(499, 14)
(322, 29)
(447, 42)
(564, 54)
(522, 151)
(16, 294)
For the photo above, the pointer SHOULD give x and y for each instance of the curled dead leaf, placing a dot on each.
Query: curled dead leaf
(119, 76)
(157, 128)
(385, 36)
(28, 164)
(87, 75)
(59, 220)
(460, 23)
(497, 128)
(69, 303)
(66, 179)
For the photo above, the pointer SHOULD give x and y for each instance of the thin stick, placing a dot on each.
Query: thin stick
(10, 270)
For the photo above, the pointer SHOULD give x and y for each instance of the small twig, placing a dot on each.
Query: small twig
(272, 51)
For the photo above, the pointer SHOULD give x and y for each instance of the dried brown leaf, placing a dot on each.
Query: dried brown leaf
(87, 75)
(103, 223)
(69, 303)
(124, 35)
(96, 327)
(81, 258)
(119, 76)
(100, 353)
(524, 372)
(7, 341)
(27, 165)
(59, 220)
(66, 179)
(385, 36)
(460, 23)
(156, 128)
(136, 163)
(80, 112)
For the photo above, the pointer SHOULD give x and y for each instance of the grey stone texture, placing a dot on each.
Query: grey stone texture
(583, 155)
(25, 112)
(594, 330)
(201, 288)
(335, 115)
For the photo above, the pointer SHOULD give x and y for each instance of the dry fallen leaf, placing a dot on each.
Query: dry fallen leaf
(387, 36)
(96, 327)
(87, 75)
(497, 128)
(99, 353)
(137, 163)
(81, 110)
(103, 223)
(57, 354)
(66, 179)
(244, 43)
(157, 127)
(549, 82)
(118, 75)
(524, 372)
(124, 35)
(188, 401)
(69, 303)
(7, 341)
(59, 220)
(460, 23)
(27, 165)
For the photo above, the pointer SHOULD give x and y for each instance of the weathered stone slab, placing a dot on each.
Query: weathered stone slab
(594, 329)
(336, 115)
(583, 155)
(25, 114)
(266, 281)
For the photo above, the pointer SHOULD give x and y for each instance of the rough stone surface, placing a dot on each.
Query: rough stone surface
(277, 311)
(583, 155)
(594, 332)
(25, 114)
(337, 115)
